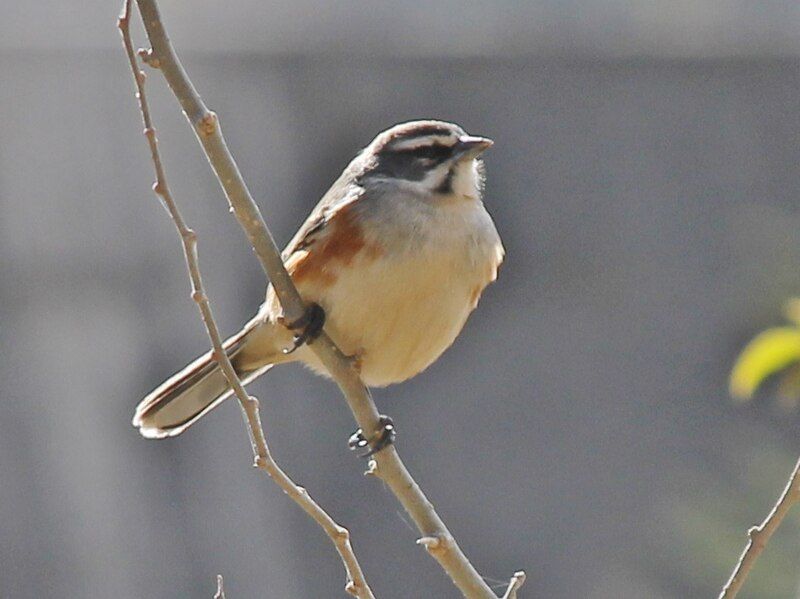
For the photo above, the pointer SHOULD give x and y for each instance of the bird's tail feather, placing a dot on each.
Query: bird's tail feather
(187, 396)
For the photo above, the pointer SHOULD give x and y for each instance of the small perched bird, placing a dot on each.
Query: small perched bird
(392, 260)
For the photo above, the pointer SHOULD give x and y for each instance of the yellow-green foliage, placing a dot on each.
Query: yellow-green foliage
(772, 351)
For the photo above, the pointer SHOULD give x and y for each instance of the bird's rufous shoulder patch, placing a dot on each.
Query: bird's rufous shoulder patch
(337, 245)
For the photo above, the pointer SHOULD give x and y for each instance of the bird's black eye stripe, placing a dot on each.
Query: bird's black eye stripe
(411, 163)
(434, 152)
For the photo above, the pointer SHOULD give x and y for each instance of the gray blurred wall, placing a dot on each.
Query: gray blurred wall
(644, 180)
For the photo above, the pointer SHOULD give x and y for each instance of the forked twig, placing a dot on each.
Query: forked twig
(514, 585)
(356, 584)
(386, 464)
(758, 536)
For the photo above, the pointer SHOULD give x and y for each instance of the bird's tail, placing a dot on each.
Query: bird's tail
(187, 396)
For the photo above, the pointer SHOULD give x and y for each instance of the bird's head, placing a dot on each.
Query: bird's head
(425, 157)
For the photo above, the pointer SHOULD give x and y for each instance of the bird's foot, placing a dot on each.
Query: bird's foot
(380, 440)
(307, 327)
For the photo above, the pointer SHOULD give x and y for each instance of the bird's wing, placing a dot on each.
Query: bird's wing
(335, 202)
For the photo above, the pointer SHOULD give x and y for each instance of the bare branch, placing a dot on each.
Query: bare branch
(386, 464)
(758, 536)
(356, 584)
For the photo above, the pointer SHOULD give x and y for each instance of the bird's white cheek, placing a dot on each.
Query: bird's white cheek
(434, 179)
(466, 181)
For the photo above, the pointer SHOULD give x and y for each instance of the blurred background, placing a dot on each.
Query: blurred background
(644, 180)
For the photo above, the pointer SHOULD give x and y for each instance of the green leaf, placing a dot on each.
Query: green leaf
(766, 354)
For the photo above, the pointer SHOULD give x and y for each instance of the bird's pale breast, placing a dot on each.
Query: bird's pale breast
(398, 297)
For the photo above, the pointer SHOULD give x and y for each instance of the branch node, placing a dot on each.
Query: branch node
(208, 124)
(372, 469)
(260, 462)
(756, 538)
(351, 588)
(149, 58)
(343, 533)
(433, 543)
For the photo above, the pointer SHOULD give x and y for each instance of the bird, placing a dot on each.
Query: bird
(391, 262)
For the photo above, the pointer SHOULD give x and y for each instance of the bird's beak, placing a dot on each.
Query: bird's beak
(469, 146)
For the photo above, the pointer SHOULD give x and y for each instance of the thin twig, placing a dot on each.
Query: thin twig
(758, 536)
(220, 594)
(386, 464)
(356, 584)
(514, 585)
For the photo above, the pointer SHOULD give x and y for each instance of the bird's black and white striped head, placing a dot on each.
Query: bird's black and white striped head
(426, 157)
